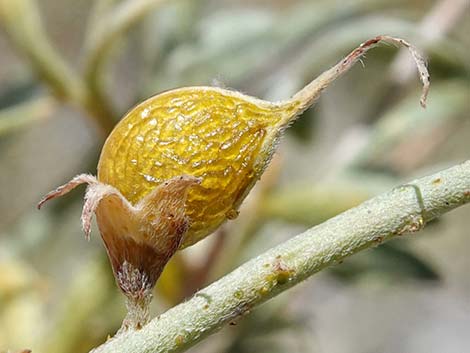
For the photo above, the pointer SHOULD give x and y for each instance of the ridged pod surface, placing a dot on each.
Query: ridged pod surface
(222, 137)
(179, 164)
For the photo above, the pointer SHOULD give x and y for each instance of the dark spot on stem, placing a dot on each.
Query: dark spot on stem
(379, 239)
(437, 181)
(179, 340)
(281, 274)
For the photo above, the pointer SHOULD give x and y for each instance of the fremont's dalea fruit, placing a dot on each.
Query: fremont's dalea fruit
(179, 164)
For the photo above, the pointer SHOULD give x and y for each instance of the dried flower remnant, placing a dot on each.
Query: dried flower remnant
(179, 164)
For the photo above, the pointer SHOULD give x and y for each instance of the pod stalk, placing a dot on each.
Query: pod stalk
(308, 95)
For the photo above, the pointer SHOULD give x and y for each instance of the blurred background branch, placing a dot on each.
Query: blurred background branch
(24, 25)
(440, 19)
(69, 70)
(108, 24)
(23, 114)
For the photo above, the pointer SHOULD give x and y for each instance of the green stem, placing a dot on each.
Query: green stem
(22, 114)
(402, 210)
(104, 33)
(22, 22)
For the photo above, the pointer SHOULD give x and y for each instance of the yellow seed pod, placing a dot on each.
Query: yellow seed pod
(179, 164)
(222, 137)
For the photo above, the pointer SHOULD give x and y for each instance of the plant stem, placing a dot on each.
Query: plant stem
(24, 113)
(22, 21)
(402, 210)
(104, 35)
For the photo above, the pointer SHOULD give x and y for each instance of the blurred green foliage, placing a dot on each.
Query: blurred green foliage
(69, 70)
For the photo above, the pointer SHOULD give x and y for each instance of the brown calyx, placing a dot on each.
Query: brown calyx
(140, 239)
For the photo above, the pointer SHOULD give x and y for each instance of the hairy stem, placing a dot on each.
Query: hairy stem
(402, 210)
